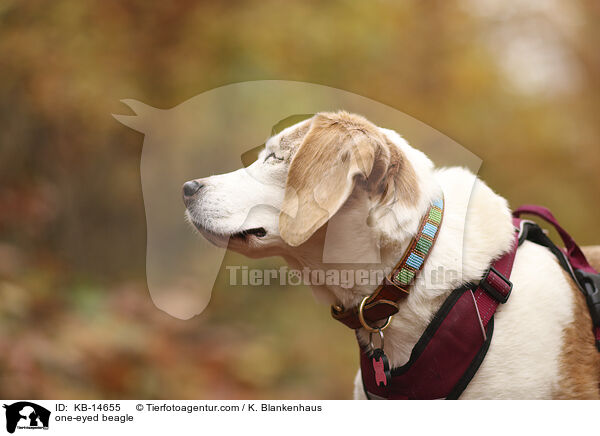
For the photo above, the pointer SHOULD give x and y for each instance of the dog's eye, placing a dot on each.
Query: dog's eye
(272, 155)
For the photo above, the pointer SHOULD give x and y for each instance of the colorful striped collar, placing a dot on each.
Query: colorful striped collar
(418, 251)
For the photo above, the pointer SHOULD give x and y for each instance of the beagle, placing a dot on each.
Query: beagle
(337, 192)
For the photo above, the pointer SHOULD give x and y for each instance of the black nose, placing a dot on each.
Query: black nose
(190, 188)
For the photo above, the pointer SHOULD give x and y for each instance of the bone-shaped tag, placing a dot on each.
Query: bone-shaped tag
(381, 366)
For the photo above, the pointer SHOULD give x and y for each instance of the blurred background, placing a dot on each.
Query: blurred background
(517, 83)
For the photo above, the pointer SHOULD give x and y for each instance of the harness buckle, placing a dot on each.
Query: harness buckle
(493, 291)
(591, 285)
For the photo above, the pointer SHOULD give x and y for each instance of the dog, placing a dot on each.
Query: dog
(335, 191)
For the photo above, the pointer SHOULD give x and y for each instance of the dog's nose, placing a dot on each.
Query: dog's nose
(190, 188)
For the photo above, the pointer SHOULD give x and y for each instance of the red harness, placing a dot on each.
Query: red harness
(454, 344)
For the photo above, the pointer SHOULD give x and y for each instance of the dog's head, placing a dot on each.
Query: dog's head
(331, 165)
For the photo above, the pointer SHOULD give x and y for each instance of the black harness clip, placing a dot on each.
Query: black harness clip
(590, 284)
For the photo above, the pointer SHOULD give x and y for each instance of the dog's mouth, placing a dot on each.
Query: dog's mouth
(259, 232)
(222, 238)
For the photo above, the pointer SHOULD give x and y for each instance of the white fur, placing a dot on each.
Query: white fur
(522, 361)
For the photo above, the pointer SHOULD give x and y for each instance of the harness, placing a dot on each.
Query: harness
(454, 344)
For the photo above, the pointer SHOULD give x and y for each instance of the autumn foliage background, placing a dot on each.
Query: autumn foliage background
(517, 83)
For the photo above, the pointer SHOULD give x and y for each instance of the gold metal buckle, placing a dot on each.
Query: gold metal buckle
(366, 326)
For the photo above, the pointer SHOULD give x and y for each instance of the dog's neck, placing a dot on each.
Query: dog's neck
(464, 249)
(365, 237)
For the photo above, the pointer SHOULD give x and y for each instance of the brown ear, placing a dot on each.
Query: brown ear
(338, 150)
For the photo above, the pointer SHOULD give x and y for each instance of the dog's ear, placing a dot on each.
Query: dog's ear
(338, 151)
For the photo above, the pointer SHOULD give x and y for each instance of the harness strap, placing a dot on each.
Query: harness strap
(573, 252)
(443, 361)
(495, 286)
(449, 352)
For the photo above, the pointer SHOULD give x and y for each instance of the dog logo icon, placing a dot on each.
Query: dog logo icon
(26, 415)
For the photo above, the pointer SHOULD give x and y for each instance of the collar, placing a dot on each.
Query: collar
(384, 302)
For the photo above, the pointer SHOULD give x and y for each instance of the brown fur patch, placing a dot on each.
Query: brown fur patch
(580, 361)
(340, 150)
(402, 179)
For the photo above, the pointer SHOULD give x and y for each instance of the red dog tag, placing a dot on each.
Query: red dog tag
(381, 367)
